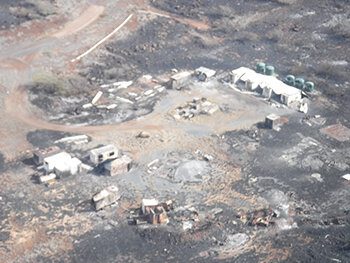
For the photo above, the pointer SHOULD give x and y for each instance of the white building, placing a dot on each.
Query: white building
(62, 164)
(267, 86)
(104, 153)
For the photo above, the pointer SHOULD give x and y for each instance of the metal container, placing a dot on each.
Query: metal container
(270, 70)
(261, 67)
(309, 86)
(290, 80)
(299, 83)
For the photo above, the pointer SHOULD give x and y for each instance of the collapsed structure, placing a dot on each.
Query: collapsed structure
(106, 197)
(152, 212)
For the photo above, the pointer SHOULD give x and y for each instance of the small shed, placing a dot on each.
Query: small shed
(104, 153)
(204, 73)
(41, 154)
(274, 121)
(179, 80)
(118, 166)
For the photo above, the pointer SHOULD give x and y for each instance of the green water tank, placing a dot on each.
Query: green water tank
(309, 86)
(261, 67)
(270, 70)
(290, 80)
(299, 83)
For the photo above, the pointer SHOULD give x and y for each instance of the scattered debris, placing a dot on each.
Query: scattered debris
(187, 225)
(143, 135)
(104, 153)
(317, 176)
(237, 240)
(196, 107)
(106, 197)
(263, 217)
(118, 166)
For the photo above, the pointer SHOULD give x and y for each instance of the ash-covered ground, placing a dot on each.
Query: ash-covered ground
(241, 192)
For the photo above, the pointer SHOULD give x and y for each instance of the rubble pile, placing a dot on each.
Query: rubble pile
(151, 212)
(262, 217)
(197, 106)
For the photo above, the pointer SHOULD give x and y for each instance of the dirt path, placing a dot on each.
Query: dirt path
(86, 18)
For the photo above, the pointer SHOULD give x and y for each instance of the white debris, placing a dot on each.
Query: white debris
(161, 89)
(78, 139)
(118, 85)
(47, 178)
(148, 92)
(346, 177)
(87, 106)
(112, 106)
(85, 168)
(124, 100)
(187, 225)
(97, 97)
(153, 162)
(317, 176)
(122, 84)
(132, 94)
(304, 107)
(147, 77)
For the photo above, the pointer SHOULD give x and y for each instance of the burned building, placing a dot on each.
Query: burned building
(104, 153)
(179, 80)
(153, 212)
(40, 154)
(118, 166)
(274, 121)
(106, 197)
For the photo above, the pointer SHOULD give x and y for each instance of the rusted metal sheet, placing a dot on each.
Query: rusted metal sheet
(338, 132)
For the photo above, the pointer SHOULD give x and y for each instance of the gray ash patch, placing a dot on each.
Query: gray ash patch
(45, 138)
(2, 162)
(157, 47)
(15, 12)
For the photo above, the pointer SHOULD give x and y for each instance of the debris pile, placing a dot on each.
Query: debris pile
(151, 212)
(196, 107)
(262, 217)
(106, 197)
